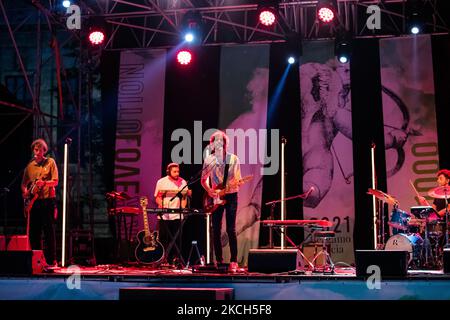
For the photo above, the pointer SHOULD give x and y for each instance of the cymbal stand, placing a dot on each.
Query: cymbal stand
(447, 245)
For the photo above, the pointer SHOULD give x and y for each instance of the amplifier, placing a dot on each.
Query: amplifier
(14, 243)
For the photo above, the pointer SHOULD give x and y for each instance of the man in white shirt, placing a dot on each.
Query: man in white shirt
(166, 188)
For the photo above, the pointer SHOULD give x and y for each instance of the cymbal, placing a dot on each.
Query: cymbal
(383, 196)
(440, 192)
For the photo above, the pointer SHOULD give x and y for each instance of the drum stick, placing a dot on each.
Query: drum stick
(417, 193)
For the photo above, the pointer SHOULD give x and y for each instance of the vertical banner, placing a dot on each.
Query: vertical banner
(243, 113)
(409, 115)
(327, 152)
(139, 135)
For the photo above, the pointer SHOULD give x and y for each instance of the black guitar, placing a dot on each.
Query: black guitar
(149, 250)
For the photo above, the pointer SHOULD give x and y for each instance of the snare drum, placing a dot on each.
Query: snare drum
(399, 221)
(406, 242)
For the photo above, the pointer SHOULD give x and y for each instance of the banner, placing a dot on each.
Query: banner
(327, 151)
(409, 115)
(243, 113)
(139, 135)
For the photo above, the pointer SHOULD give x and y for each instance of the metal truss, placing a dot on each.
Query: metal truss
(40, 20)
(153, 23)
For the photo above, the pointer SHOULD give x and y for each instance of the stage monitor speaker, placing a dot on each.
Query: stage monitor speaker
(176, 294)
(273, 260)
(391, 263)
(447, 260)
(14, 243)
(22, 263)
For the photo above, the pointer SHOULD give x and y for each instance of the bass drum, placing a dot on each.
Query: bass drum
(406, 242)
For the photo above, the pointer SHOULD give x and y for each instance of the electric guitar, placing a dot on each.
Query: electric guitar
(211, 204)
(33, 194)
(149, 250)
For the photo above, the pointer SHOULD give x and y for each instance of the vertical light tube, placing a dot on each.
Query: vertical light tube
(63, 255)
(374, 205)
(208, 239)
(283, 208)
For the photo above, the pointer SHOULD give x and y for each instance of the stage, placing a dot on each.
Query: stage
(104, 282)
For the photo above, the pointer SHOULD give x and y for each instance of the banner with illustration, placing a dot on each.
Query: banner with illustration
(327, 146)
(409, 115)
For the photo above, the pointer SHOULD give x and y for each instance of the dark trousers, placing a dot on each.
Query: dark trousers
(42, 220)
(166, 227)
(230, 216)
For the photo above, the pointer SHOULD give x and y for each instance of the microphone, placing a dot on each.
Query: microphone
(309, 192)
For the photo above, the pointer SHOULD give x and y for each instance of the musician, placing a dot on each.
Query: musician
(170, 222)
(41, 177)
(212, 178)
(443, 179)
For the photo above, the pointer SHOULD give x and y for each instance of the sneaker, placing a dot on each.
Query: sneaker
(233, 267)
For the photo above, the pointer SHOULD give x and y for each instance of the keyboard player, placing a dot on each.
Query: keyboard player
(170, 224)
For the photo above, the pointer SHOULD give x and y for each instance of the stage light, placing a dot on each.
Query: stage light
(415, 13)
(96, 36)
(415, 30)
(66, 3)
(267, 17)
(184, 57)
(343, 59)
(343, 47)
(293, 47)
(191, 29)
(189, 37)
(267, 12)
(325, 11)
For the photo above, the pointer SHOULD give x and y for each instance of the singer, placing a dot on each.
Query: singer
(224, 170)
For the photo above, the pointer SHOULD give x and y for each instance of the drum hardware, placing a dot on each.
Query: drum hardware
(442, 193)
(383, 198)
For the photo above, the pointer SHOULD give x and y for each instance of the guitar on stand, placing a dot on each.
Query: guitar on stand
(149, 250)
(211, 204)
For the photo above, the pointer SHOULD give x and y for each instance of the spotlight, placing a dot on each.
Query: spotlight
(192, 27)
(189, 37)
(96, 36)
(325, 11)
(267, 18)
(66, 3)
(267, 12)
(184, 57)
(415, 30)
(343, 47)
(415, 12)
(293, 47)
(97, 31)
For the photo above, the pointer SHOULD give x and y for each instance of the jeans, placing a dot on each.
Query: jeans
(42, 219)
(230, 216)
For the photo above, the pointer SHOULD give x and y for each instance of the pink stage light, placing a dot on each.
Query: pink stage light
(184, 57)
(325, 14)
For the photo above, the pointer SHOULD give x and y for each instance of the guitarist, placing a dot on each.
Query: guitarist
(221, 168)
(38, 183)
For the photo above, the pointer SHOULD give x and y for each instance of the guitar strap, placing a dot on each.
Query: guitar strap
(225, 174)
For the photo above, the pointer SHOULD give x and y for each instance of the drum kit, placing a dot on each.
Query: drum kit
(421, 232)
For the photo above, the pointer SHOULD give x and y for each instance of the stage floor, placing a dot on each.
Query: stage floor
(104, 282)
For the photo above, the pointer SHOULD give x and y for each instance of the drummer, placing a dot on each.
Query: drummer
(443, 179)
